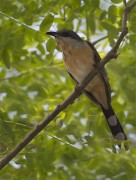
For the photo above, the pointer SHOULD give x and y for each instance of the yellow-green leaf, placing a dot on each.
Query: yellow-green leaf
(46, 23)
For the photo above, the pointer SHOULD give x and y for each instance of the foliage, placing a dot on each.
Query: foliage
(33, 80)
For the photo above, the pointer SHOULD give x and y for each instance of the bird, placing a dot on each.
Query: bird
(80, 56)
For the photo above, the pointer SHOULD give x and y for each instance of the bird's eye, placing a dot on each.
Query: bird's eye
(65, 34)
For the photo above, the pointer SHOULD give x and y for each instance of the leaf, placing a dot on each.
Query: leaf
(50, 45)
(116, 1)
(46, 23)
(41, 49)
(8, 130)
(96, 3)
(2, 73)
(92, 24)
(112, 13)
(6, 58)
(18, 39)
(28, 19)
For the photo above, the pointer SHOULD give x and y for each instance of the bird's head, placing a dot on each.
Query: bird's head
(65, 38)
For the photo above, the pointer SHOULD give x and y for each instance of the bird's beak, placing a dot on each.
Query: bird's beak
(52, 33)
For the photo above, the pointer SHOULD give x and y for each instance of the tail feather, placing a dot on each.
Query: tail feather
(114, 124)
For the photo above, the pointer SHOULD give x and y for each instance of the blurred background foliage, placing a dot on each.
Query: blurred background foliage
(33, 80)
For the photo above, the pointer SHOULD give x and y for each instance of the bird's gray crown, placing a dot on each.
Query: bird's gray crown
(65, 33)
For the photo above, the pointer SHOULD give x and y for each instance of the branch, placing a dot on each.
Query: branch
(95, 42)
(131, 6)
(125, 3)
(75, 94)
(16, 21)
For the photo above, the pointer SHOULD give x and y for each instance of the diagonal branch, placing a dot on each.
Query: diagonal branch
(95, 42)
(131, 6)
(76, 93)
(16, 21)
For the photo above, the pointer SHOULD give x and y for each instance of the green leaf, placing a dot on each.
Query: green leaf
(19, 39)
(113, 13)
(46, 23)
(96, 3)
(2, 73)
(41, 48)
(28, 19)
(92, 24)
(6, 58)
(112, 31)
(33, 6)
(116, 1)
(7, 128)
(50, 45)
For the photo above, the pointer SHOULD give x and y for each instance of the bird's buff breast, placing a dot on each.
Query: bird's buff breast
(79, 62)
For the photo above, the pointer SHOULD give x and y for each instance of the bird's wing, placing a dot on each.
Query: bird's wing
(85, 92)
(73, 78)
(103, 74)
(97, 60)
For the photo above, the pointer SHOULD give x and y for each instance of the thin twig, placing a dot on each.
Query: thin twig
(87, 28)
(131, 6)
(16, 21)
(125, 3)
(95, 42)
(76, 93)
(30, 71)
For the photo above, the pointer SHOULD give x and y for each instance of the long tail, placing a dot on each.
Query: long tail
(114, 124)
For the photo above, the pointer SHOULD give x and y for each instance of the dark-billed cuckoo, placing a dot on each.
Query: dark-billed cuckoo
(79, 58)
